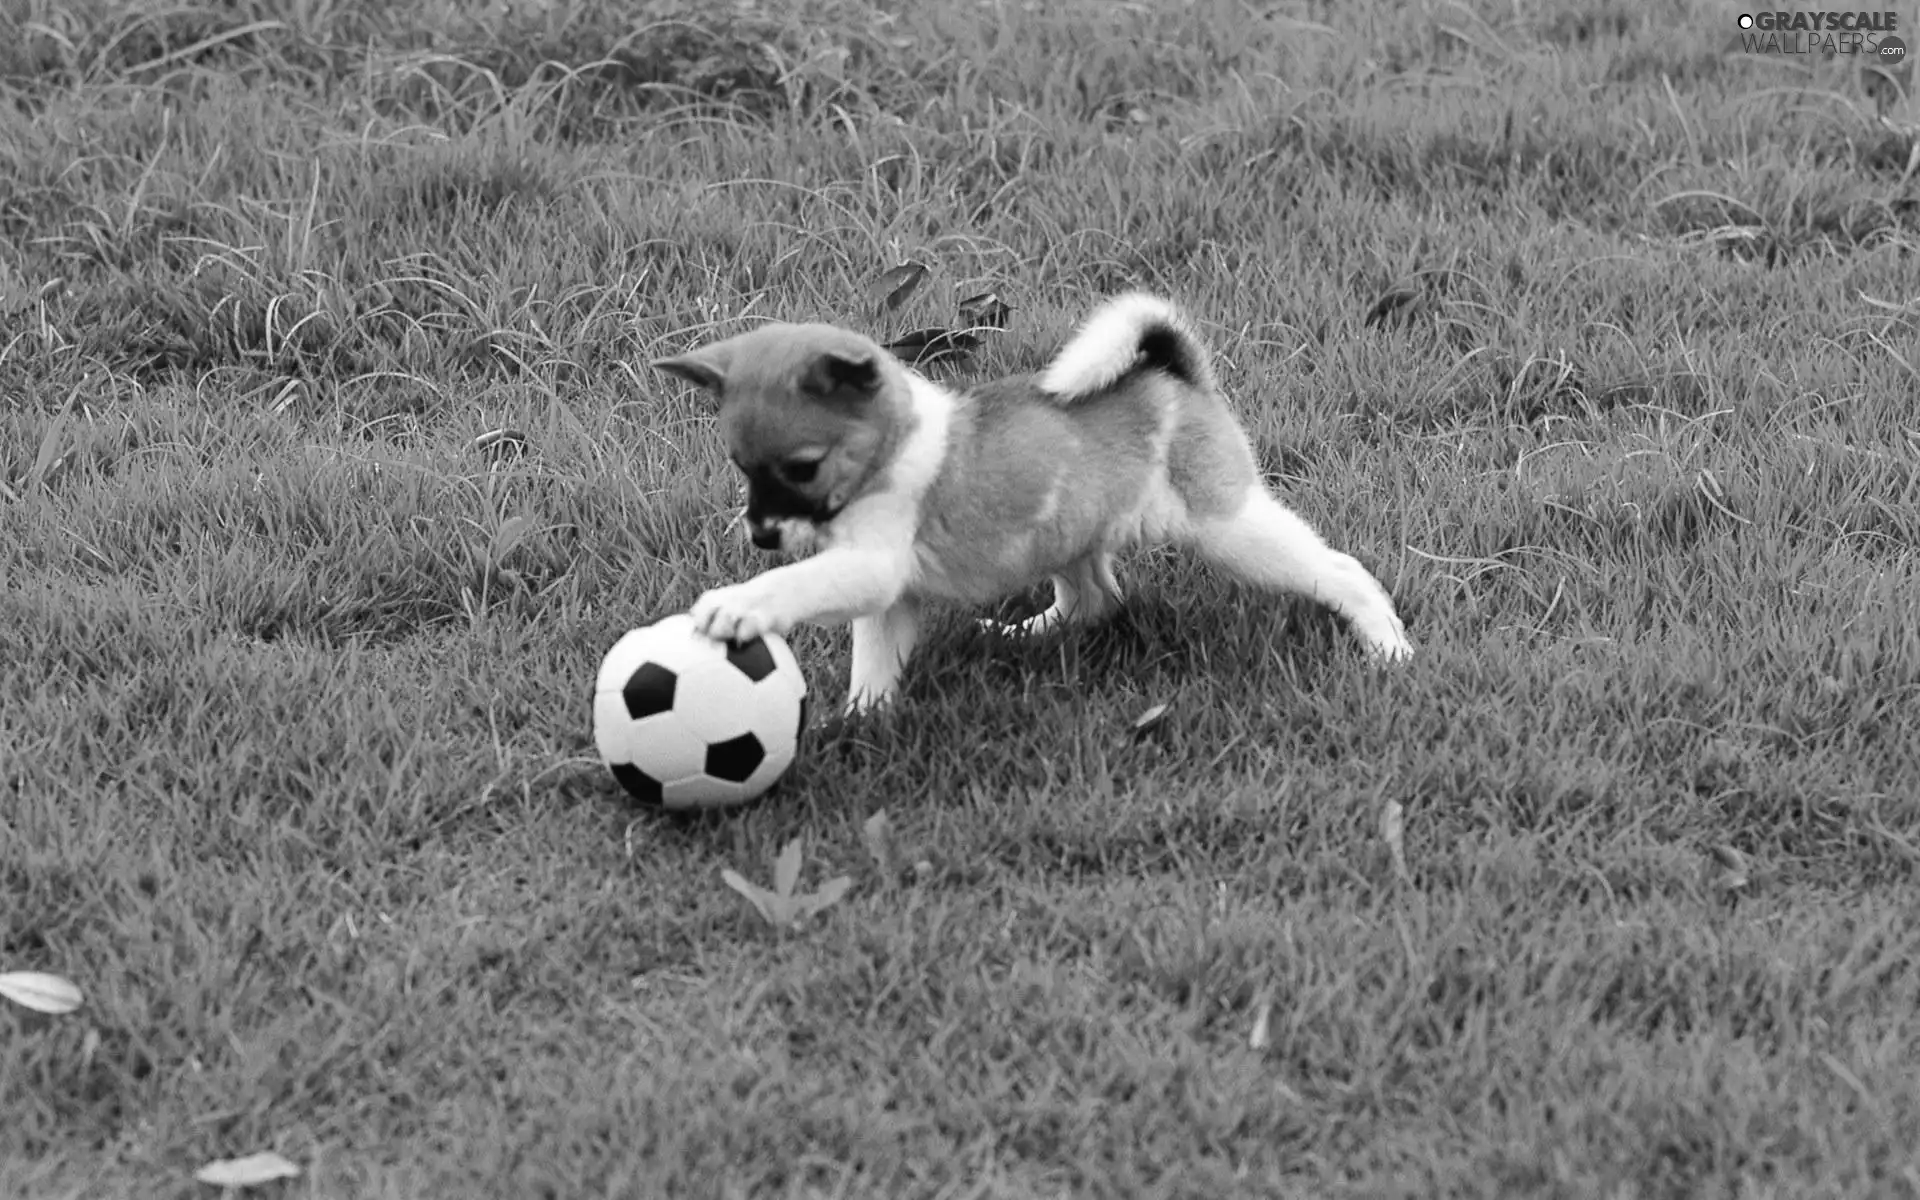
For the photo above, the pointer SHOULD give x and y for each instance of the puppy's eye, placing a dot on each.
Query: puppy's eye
(801, 470)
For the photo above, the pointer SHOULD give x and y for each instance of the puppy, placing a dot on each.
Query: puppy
(906, 491)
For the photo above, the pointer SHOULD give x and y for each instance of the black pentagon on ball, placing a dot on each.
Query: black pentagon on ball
(753, 659)
(640, 785)
(649, 691)
(736, 758)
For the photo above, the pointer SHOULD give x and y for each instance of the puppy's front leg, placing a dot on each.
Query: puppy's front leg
(834, 585)
(882, 643)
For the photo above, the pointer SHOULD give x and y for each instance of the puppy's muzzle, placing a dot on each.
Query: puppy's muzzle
(765, 534)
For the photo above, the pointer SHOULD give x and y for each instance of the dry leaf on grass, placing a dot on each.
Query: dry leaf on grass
(1261, 1037)
(985, 311)
(1149, 720)
(40, 992)
(896, 286)
(1393, 831)
(500, 445)
(924, 347)
(251, 1171)
(1736, 872)
(877, 832)
(48, 458)
(509, 535)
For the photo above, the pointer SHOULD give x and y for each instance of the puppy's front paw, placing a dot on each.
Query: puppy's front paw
(736, 614)
(1391, 646)
(867, 702)
(1038, 625)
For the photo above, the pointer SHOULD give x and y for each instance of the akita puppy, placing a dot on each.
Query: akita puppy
(906, 491)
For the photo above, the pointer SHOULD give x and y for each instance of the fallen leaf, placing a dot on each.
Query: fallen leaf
(500, 444)
(1261, 1037)
(48, 458)
(40, 992)
(895, 287)
(13, 290)
(508, 535)
(1736, 872)
(251, 1171)
(877, 831)
(89, 1046)
(924, 346)
(985, 311)
(1393, 831)
(1146, 721)
(1400, 306)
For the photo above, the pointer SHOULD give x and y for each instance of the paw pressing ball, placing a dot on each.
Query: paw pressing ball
(687, 722)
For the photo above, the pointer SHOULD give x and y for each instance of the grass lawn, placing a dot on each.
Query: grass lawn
(1593, 335)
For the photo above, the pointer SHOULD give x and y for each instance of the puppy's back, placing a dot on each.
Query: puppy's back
(1028, 485)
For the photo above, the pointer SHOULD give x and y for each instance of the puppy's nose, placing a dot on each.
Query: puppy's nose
(767, 537)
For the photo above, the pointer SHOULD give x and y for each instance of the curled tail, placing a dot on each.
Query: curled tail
(1132, 332)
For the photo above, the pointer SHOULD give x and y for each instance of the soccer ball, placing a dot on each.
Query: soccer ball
(684, 721)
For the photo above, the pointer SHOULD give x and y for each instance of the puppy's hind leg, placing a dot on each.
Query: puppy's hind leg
(882, 643)
(1264, 543)
(1085, 591)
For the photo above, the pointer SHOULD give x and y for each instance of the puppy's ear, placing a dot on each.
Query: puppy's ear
(855, 376)
(705, 367)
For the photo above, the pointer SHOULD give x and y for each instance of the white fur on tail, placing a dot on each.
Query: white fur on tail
(1107, 346)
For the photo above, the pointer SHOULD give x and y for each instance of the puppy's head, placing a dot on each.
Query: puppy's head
(810, 416)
